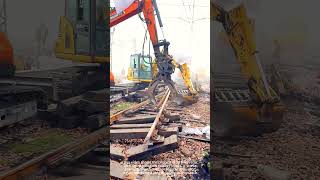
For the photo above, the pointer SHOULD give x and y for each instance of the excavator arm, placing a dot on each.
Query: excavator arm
(164, 61)
(241, 37)
(135, 8)
(185, 73)
(262, 110)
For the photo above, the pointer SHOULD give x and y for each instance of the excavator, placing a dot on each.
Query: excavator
(7, 67)
(83, 37)
(165, 64)
(81, 32)
(143, 70)
(257, 109)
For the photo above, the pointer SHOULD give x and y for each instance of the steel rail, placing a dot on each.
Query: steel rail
(153, 127)
(162, 99)
(116, 116)
(65, 153)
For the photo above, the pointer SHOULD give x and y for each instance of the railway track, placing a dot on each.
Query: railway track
(44, 164)
(64, 154)
(145, 133)
(22, 132)
(72, 153)
(141, 122)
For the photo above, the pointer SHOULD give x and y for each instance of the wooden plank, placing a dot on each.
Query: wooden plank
(129, 126)
(137, 119)
(99, 95)
(148, 112)
(139, 133)
(116, 153)
(128, 133)
(96, 121)
(142, 151)
(173, 117)
(178, 125)
(166, 132)
(68, 106)
(92, 106)
(69, 122)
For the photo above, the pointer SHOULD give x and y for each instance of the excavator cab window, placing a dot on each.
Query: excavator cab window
(90, 26)
(102, 30)
(141, 67)
(135, 63)
(80, 12)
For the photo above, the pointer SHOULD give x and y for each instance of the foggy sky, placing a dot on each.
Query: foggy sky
(191, 45)
(293, 22)
(23, 17)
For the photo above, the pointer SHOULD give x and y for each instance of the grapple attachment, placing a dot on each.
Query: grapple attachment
(167, 82)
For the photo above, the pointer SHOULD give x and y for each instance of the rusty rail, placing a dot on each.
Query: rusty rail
(162, 99)
(65, 153)
(116, 116)
(157, 117)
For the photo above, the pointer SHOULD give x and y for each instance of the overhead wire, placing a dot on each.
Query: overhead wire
(185, 9)
(144, 39)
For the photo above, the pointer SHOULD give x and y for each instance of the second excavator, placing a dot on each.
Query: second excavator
(256, 109)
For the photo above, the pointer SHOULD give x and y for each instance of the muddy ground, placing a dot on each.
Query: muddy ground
(292, 152)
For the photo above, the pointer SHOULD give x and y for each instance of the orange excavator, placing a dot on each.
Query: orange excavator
(7, 67)
(164, 61)
(83, 37)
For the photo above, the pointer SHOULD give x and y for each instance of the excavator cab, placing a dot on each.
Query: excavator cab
(84, 32)
(141, 68)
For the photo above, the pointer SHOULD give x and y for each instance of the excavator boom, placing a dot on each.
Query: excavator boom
(261, 110)
(165, 62)
(135, 8)
(185, 73)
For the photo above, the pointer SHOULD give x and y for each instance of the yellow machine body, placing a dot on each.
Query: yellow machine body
(253, 111)
(83, 32)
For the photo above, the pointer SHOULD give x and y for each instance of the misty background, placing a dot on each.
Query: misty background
(186, 25)
(23, 20)
(291, 22)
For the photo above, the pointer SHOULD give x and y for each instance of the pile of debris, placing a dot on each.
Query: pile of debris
(88, 111)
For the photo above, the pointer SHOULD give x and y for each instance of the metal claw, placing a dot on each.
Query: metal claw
(167, 82)
(151, 90)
